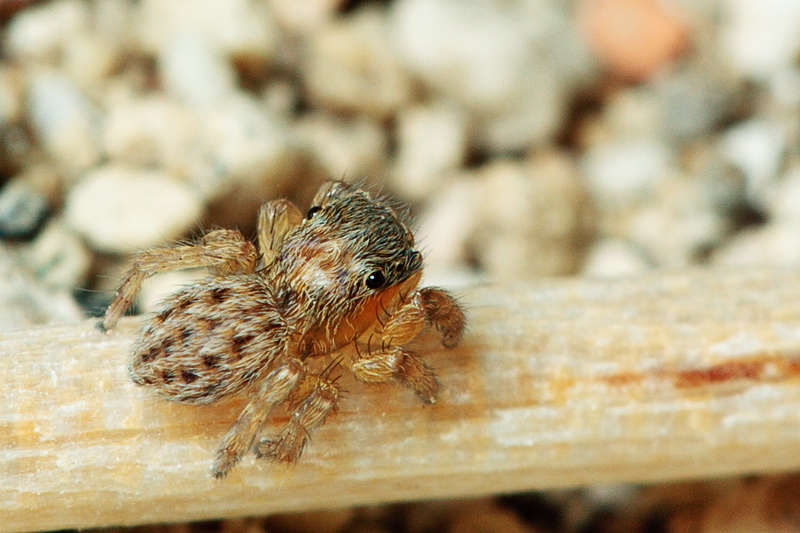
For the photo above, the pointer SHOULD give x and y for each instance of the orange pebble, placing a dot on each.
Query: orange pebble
(632, 38)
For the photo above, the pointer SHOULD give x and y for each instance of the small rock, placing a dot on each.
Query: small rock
(533, 218)
(65, 120)
(239, 28)
(87, 59)
(492, 58)
(58, 257)
(613, 258)
(195, 71)
(22, 210)
(350, 66)
(355, 148)
(634, 39)
(303, 16)
(24, 302)
(623, 172)
(771, 245)
(760, 36)
(39, 33)
(432, 141)
(156, 131)
(11, 89)
(121, 209)
(757, 147)
(448, 224)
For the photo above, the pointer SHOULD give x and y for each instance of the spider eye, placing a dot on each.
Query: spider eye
(313, 211)
(376, 280)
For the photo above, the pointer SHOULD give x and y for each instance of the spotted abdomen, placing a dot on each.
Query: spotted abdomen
(209, 340)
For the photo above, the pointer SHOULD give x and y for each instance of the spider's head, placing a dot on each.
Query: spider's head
(350, 246)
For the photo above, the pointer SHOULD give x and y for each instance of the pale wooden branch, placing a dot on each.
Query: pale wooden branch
(558, 384)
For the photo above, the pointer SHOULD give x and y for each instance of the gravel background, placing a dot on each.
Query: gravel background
(530, 137)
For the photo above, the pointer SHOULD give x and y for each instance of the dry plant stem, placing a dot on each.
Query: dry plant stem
(557, 384)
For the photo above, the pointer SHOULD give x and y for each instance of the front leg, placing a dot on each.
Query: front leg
(275, 220)
(224, 251)
(314, 399)
(389, 361)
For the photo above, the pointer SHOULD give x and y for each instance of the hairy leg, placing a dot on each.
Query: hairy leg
(224, 251)
(314, 400)
(389, 361)
(275, 389)
(275, 220)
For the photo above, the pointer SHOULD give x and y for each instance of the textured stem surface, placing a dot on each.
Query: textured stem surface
(559, 383)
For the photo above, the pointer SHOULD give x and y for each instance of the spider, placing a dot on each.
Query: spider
(345, 274)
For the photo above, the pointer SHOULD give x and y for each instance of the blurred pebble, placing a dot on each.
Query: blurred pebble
(771, 245)
(533, 218)
(347, 149)
(24, 302)
(350, 66)
(152, 130)
(39, 33)
(613, 258)
(58, 257)
(87, 59)
(783, 199)
(22, 210)
(11, 90)
(489, 58)
(757, 148)
(302, 16)
(194, 69)
(120, 209)
(622, 172)
(64, 119)
(432, 141)
(634, 39)
(239, 28)
(760, 36)
(447, 225)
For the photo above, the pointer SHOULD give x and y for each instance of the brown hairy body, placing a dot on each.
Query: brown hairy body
(345, 275)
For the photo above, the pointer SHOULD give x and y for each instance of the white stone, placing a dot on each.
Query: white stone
(303, 16)
(431, 141)
(10, 95)
(152, 130)
(64, 119)
(196, 71)
(772, 245)
(449, 222)
(490, 57)
(350, 65)
(614, 258)
(58, 257)
(88, 59)
(237, 27)
(757, 148)
(761, 36)
(783, 199)
(40, 32)
(622, 172)
(355, 148)
(120, 209)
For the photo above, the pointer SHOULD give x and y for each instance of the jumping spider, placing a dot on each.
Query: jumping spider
(344, 275)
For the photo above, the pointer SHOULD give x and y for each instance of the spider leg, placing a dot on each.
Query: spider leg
(273, 390)
(391, 362)
(275, 220)
(223, 251)
(316, 398)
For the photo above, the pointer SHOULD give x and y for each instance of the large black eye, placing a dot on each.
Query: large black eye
(313, 211)
(376, 280)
